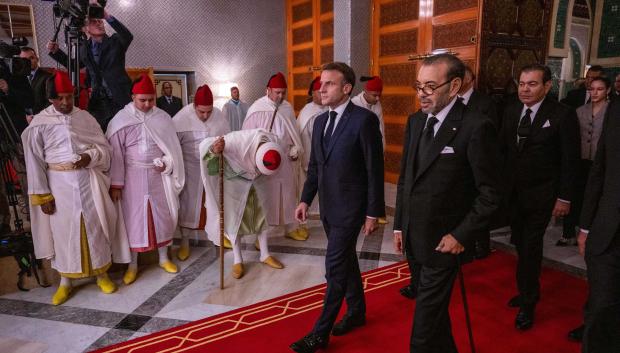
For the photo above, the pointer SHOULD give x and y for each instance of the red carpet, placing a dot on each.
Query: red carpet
(272, 325)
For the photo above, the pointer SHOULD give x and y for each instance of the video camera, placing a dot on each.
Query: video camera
(78, 11)
(10, 62)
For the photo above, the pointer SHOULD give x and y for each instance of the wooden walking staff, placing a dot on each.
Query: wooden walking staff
(273, 117)
(222, 220)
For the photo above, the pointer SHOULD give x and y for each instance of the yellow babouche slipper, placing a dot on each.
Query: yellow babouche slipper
(273, 262)
(237, 270)
(130, 276)
(61, 295)
(303, 233)
(382, 220)
(106, 285)
(296, 235)
(169, 267)
(227, 243)
(183, 253)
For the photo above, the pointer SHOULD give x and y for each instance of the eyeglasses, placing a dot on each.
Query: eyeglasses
(429, 90)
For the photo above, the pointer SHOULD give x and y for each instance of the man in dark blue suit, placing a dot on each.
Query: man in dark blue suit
(346, 169)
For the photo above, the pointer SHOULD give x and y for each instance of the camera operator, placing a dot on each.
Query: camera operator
(37, 79)
(16, 96)
(104, 58)
(15, 100)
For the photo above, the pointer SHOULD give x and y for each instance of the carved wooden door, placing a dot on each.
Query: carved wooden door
(310, 44)
(403, 31)
(514, 34)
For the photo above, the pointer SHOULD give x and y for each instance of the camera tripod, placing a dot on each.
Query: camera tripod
(17, 243)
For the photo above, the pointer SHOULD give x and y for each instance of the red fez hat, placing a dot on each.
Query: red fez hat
(143, 85)
(316, 84)
(277, 81)
(268, 158)
(62, 82)
(374, 83)
(203, 96)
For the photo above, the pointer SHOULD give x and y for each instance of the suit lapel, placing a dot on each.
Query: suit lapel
(447, 130)
(416, 133)
(339, 129)
(541, 117)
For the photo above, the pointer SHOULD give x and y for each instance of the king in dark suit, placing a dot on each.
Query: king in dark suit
(599, 239)
(346, 170)
(450, 166)
(167, 102)
(541, 148)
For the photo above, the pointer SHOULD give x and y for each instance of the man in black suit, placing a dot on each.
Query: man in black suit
(104, 58)
(599, 240)
(541, 148)
(167, 102)
(37, 79)
(580, 96)
(479, 101)
(346, 169)
(450, 165)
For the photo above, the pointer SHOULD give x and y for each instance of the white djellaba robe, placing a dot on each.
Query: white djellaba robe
(140, 142)
(305, 122)
(360, 101)
(191, 132)
(235, 113)
(280, 189)
(240, 173)
(56, 138)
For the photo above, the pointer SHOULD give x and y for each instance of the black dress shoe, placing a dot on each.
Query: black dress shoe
(482, 250)
(515, 301)
(576, 335)
(348, 323)
(408, 292)
(310, 343)
(525, 319)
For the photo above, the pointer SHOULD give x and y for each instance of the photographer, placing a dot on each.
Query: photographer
(16, 97)
(104, 58)
(37, 79)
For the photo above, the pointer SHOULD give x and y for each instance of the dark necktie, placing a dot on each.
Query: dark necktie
(524, 129)
(30, 77)
(426, 140)
(169, 99)
(461, 100)
(96, 51)
(330, 129)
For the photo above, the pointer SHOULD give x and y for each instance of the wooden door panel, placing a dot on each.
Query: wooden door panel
(401, 28)
(310, 43)
(514, 34)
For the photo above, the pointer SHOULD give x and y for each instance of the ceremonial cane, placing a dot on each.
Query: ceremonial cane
(222, 221)
(465, 306)
(273, 117)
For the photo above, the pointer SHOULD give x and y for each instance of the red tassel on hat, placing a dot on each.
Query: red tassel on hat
(271, 160)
